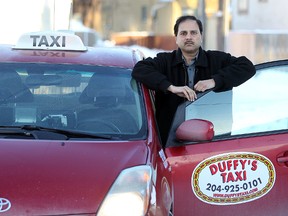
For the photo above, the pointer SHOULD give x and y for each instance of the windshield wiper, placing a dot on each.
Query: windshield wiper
(39, 132)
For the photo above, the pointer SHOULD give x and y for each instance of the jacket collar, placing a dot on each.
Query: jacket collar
(200, 61)
(178, 59)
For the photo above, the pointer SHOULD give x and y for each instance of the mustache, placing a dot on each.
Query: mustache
(189, 42)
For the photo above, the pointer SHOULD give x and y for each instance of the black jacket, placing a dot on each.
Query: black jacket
(168, 68)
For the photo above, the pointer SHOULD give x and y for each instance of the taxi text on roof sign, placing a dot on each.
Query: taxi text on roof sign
(50, 40)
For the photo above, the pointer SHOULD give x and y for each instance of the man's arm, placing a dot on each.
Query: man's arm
(235, 71)
(148, 72)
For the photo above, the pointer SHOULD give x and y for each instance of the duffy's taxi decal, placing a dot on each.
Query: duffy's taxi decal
(233, 178)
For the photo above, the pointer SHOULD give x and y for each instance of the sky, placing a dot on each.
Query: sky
(21, 16)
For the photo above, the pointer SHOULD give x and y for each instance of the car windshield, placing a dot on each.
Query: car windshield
(81, 98)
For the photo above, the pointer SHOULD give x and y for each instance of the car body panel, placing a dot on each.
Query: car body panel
(92, 56)
(63, 177)
(185, 159)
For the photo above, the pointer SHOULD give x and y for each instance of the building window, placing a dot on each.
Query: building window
(243, 6)
(144, 14)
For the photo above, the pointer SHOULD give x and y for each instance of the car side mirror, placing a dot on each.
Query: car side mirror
(195, 130)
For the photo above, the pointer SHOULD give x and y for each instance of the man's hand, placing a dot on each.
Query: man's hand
(204, 85)
(190, 94)
(183, 91)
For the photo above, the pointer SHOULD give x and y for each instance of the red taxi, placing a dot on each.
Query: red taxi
(78, 137)
(77, 134)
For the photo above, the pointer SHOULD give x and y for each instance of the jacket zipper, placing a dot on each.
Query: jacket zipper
(185, 77)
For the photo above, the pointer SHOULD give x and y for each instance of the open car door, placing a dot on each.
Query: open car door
(229, 151)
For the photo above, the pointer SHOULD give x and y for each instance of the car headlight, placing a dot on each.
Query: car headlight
(130, 193)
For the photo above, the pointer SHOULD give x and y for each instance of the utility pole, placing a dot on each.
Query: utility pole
(201, 14)
(220, 25)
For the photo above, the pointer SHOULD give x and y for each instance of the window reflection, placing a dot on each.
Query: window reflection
(91, 99)
(259, 105)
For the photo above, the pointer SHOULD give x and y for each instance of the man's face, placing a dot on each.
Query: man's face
(189, 38)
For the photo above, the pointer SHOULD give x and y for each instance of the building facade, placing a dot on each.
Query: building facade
(255, 28)
(150, 21)
(258, 30)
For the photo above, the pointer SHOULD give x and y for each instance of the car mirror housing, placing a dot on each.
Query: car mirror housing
(195, 130)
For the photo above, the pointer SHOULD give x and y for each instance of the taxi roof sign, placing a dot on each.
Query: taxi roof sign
(50, 40)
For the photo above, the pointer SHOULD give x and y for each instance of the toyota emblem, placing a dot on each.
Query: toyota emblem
(5, 205)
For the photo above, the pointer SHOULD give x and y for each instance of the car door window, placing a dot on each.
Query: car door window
(259, 105)
(214, 107)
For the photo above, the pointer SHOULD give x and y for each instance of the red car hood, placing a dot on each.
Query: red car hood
(53, 177)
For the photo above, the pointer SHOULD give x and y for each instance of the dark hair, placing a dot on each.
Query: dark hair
(184, 18)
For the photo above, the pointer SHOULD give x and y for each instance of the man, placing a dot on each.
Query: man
(178, 75)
